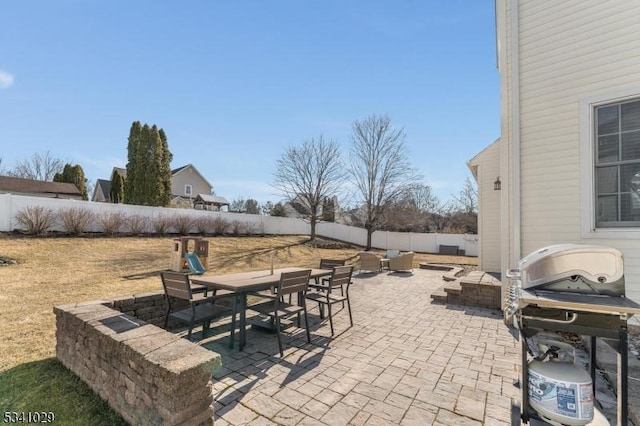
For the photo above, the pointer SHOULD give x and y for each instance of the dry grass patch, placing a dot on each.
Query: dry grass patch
(56, 271)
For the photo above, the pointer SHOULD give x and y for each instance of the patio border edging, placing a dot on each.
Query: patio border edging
(146, 374)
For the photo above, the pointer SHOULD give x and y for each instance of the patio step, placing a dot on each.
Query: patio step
(435, 266)
(439, 296)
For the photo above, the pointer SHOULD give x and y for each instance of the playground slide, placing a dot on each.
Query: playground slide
(194, 263)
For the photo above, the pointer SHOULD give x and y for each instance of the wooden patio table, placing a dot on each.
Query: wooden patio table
(242, 283)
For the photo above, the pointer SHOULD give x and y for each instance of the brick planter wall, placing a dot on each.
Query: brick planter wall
(148, 375)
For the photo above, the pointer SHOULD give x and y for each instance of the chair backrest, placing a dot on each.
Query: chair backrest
(404, 261)
(341, 276)
(176, 285)
(331, 263)
(365, 255)
(369, 260)
(294, 282)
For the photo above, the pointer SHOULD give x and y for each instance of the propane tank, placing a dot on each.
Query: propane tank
(560, 392)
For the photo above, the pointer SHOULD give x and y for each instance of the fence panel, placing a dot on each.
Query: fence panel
(429, 243)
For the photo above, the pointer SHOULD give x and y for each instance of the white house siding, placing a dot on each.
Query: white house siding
(568, 50)
(505, 67)
(486, 168)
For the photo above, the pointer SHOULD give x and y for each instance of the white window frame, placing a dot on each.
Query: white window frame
(587, 165)
(188, 190)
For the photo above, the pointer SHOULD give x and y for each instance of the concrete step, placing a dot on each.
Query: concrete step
(435, 266)
(439, 296)
(453, 287)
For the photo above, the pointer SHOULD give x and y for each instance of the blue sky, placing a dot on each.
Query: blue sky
(233, 83)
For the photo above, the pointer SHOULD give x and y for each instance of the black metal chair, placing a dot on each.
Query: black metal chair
(201, 308)
(341, 277)
(290, 283)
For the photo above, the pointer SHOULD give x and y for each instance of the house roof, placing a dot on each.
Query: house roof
(212, 199)
(181, 169)
(122, 172)
(104, 186)
(473, 163)
(13, 184)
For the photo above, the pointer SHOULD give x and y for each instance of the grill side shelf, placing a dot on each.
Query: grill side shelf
(611, 305)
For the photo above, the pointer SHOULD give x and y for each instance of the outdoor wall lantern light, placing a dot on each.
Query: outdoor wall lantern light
(497, 185)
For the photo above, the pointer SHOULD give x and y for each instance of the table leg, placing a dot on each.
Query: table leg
(243, 321)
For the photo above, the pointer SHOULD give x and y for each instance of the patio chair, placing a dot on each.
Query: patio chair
(369, 261)
(341, 277)
(290, 283)
(201, 310)
(326, 264)
(330, 264)
(403, 262)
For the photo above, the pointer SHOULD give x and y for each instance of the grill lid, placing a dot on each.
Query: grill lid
(574, 268)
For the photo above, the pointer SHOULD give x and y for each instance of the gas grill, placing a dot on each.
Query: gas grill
(574, 289)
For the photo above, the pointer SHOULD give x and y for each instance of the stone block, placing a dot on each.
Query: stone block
(148, 297)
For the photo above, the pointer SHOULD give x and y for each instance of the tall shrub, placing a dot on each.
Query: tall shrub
(75, 220)
(36, 220)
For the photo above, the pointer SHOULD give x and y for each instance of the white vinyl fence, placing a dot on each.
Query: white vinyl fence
(427, 243)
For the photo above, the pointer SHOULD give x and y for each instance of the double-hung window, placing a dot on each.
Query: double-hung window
(187, 190)
(617, 164)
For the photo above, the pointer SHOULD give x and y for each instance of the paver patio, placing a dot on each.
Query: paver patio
(405, 361)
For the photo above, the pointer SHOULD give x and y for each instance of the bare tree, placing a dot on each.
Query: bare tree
(424, 198)
(464, 214)
(467, 199)
(380, 167)
(38, 167)
(411, 210)
(308, 174)
(238, 205)
(252, 206)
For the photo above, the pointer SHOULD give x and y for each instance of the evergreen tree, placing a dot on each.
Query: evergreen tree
(75, 175)
(148, 170)
(328, 210)
(117, 188)
(165, 170)
(130, 191)
(278, 210)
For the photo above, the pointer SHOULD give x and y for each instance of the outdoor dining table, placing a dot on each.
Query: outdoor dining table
(243, 283)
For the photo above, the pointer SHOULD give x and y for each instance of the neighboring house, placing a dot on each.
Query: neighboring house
(569, 148)
(39, 188)
(299, 208)
(186, 185)
(102, 190)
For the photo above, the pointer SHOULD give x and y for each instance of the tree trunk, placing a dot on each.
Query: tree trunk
(314, 219)
(369, 234)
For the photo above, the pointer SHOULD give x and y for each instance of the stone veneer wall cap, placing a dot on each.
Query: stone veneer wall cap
(145, 330)
(143, 297)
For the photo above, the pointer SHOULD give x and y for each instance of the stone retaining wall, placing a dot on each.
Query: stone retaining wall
(481, 289)
(148, 375)
(148, 307)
